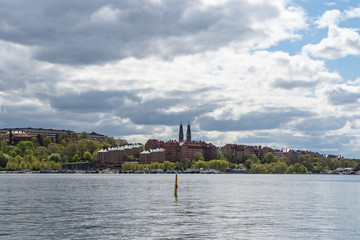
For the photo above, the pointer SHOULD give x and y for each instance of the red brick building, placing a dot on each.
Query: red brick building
(114, 157)
(152, 155)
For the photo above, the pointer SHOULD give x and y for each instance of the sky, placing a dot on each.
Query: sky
(282, 73)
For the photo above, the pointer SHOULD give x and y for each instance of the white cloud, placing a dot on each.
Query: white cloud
(330, 3)
(352, 13)
(105, 14)
(329, 19)
(339, 43)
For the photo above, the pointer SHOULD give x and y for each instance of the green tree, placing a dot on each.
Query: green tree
(46, 141)
(76, 158)
(87, 156)
(220, 165)
(280, 167)
(270, 157)
(3, 160)
(168, 165)
(83, 135)
(284, 159)
(220, 155)
(248, 164)
(41, 152)
(296, 168)
(56, 148)
(201, 164)
(55, 157)
(71, 149)
(14, 151)
(304, 158)
(25, 145)
(309, 166)
(198, 156)
(258, 168)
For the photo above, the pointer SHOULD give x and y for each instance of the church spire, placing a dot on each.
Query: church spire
(181, 132)
(188, 133)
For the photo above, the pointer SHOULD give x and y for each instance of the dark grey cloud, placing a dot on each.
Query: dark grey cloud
(91, 101)
(291, 84)
(268, 119)
(321, 124)
(127, 104)
(94, 31)
(340, 96)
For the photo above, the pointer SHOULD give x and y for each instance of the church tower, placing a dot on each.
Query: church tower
(181, 133)
(188, 133)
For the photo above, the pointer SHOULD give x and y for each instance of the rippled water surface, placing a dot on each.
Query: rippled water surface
(38, 206)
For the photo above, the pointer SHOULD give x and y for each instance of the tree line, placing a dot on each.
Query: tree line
(41, 153)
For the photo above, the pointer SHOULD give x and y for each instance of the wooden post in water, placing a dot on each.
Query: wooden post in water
(176, 186)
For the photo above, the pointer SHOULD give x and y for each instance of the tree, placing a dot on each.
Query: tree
(71, 149)
(304, 158)
(258, 168)
(270, 157)
(56, 148)
(198, 156)
(220, 165)
(46, 141)
(55, 157)
(76, 158)
(220, 155)
(3, 160)
(280, 167)
(296, 168)
(87, 156)
(41, 152)
(201, 164)
(248, 164)
(25, 145)
(83, 135)
(168, 165)
(284, 159)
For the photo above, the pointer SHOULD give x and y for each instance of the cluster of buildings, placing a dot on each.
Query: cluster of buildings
(114, 157)
(160, 151)
(174, 151)
(16, 135)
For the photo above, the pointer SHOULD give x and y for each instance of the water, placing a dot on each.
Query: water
(208, 207)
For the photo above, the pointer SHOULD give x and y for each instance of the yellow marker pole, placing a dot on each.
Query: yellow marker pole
(176, 186)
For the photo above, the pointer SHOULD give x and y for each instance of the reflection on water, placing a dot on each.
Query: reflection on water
(207, 207)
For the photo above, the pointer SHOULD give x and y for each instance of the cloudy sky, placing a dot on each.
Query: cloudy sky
(282, 73)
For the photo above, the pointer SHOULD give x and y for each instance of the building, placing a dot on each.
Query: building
(175, 151)
(53, 134)
(188, 133)
(152, 155)
(17, 136)
(235, 152)
(188, 149)
(114, 157)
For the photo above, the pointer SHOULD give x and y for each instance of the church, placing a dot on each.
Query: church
(184, 148)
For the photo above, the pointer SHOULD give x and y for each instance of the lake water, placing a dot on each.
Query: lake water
(34, 206)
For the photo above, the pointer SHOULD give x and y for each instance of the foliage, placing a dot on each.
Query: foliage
(87, 156)
(198, 156)
(270, 158)
(76, 158)
(46, 141)
(3, 160)
(55, 157)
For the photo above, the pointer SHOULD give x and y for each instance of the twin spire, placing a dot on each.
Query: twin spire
(181, 133)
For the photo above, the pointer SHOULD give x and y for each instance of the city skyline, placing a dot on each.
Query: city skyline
(281, 74)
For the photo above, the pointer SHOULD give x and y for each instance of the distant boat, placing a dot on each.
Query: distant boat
(236, 171)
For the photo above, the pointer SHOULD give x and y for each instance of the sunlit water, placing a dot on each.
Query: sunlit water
(208, 207)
